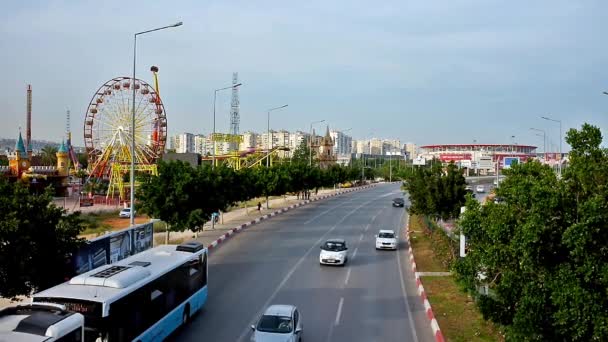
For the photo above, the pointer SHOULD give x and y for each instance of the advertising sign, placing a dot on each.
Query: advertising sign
(448, 157)
(142, 238)
(419, 161)
(466, 163)
(485, 163)
(112, 247)
(508, 161)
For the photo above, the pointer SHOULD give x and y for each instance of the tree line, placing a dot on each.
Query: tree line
(543, 252)
(435, 191)
(185, 197)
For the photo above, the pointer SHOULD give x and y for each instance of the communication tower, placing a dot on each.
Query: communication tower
(68, 134)
(28, 133)
(234, 111)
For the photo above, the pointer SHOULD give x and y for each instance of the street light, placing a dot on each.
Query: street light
(132, 214)
(310, 143)
(544, 141)
(363, 158)
(560, 142)
(213, 135)
(269, 137)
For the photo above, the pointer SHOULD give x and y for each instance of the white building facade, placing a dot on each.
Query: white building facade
(342, 143)
(184, 143)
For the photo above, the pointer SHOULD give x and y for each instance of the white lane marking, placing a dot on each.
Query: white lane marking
(404, 292)
(367, 227)
(293, 269)
(326, 211)
(339, 313)
(354, 253)
(361, 238)
(347, 276)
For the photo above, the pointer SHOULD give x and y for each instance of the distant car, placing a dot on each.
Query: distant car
(480, 189)
(386, 239)
(468, 188)
(499, 200)
(333, 252)
(125, 213)
(398, 202)
(278, 323)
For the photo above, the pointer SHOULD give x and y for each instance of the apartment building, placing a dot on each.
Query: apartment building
(342, 143)
(184, 143)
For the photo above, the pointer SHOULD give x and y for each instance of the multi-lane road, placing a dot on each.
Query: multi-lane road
(372, 298)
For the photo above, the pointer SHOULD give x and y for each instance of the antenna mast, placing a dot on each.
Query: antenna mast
(28, 136)
(234, 111)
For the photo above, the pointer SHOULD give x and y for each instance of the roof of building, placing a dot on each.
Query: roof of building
(20, 146)
(475, 145)
(62, 148)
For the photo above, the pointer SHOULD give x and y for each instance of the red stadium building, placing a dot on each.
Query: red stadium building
(480, 155)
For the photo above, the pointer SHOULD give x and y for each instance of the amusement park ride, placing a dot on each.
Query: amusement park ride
(108, 132)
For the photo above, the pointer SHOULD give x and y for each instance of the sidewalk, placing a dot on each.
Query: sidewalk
(239, 217)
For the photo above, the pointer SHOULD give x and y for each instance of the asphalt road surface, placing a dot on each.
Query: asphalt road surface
(372, 298)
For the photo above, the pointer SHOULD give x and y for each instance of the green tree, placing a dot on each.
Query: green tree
(302, 153)
(543, 251)
(435, 191)
(83, 160)
(36, 240)
(172, 196)
(48, 155)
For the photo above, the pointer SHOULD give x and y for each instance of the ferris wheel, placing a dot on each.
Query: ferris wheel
(108, 129)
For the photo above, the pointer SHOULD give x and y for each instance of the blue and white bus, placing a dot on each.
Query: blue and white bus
(40, 323)
(144, 297)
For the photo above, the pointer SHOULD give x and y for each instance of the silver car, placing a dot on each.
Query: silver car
(279, 323)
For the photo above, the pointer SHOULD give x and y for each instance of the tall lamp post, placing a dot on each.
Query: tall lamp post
(363, 158)
(269, 137)
(213, 135)
(560, 143)
(310, 143)
(544, 142)
(132, 213)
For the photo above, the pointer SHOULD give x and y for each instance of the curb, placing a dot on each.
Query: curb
(427, 305)
(238, 228)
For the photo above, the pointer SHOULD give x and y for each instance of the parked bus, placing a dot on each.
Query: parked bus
(40, 323)
(144, 297)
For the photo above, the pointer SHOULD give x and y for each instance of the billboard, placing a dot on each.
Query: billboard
(509, 161)
(448, 157)
(112, 247)
(466, 163)
(485, 163)
(419, 161)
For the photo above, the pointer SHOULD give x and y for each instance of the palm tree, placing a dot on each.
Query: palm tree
(48, 155)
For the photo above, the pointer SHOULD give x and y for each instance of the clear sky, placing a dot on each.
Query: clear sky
(421, 71)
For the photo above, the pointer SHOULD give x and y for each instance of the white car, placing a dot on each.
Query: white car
(333, 252)
(125, 213)
(279, 323)
(386, 239)
(480, 189)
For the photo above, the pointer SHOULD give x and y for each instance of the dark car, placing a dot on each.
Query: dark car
(398, 202)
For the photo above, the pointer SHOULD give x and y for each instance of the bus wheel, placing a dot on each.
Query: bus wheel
(186, 316)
